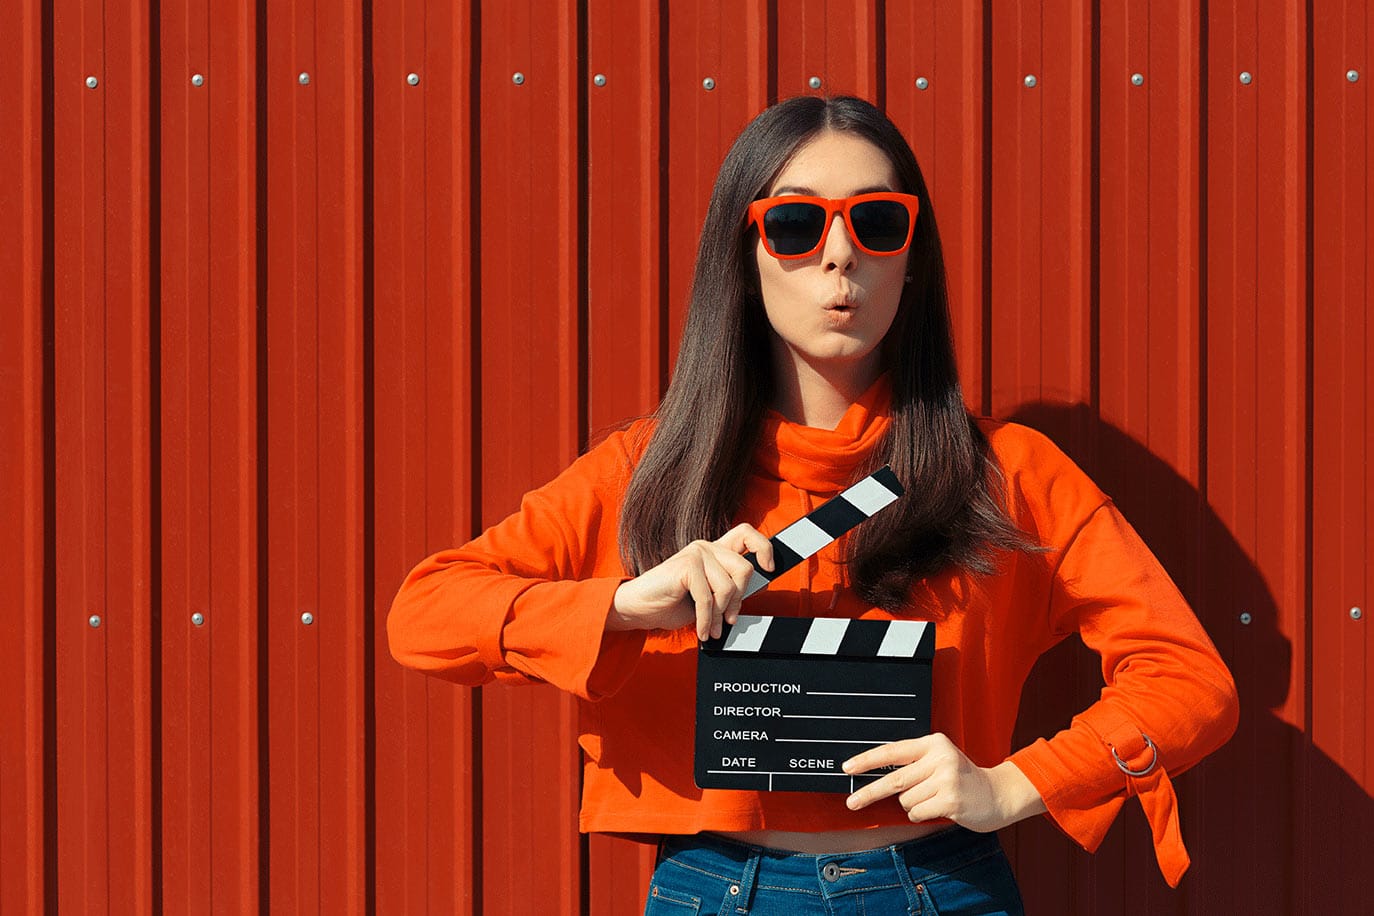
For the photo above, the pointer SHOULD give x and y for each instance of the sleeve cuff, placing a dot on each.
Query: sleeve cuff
(568, 645)
(1085, 816)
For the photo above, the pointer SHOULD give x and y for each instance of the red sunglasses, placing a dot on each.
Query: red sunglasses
(795, 227)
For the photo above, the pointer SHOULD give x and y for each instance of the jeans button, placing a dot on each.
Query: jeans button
(831, 872)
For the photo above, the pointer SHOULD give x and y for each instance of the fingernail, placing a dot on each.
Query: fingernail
(851, 802)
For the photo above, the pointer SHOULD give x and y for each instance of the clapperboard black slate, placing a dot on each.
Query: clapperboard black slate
(783, 701)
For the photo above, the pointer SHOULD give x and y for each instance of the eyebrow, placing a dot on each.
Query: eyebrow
(810, 192)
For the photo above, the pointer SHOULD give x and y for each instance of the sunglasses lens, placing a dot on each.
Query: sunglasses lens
(881, 225)
(793, 228)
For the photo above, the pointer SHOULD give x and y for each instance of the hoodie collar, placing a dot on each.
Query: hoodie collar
(826, 460)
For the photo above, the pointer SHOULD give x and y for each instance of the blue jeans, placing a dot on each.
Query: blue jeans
(951, 872)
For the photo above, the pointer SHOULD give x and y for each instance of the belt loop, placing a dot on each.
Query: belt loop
(913, 897)
(748, 879)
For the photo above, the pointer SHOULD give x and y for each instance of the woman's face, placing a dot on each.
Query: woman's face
(830, 312)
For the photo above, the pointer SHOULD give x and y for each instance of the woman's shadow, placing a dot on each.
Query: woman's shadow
(1273, 825)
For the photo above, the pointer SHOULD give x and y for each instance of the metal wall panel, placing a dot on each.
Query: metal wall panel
(625, 207)
(934, 89)
(532, 400)
(103, 703)
(316, 628)
(26, 789)
(423, 294)
(269, 340)
(208, 460)
(1336, 775)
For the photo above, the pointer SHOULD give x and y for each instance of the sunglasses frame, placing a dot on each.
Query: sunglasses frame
(831, 206)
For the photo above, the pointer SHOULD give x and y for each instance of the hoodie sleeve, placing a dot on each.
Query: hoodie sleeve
(527, 601)
(1168, 699)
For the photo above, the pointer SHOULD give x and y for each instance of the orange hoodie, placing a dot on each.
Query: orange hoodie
(528, 600)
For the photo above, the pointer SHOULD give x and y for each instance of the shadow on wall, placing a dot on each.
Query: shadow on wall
(1252, 813)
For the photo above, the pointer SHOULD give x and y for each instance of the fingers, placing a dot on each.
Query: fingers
(914, 767)
(716, 573)
(747, 539)
(725, 595)
(934, 780)
(898, 753)
(703, 598)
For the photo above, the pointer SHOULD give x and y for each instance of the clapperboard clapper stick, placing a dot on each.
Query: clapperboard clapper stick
(783, 701)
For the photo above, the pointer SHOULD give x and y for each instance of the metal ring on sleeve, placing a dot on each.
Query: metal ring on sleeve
(1154, 759)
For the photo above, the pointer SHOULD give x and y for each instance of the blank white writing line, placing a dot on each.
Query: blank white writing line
(874, 718)
(841, 693)
(836, 741)
(777, 773)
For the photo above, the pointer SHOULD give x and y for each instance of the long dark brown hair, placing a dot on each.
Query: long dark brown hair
(690, 481)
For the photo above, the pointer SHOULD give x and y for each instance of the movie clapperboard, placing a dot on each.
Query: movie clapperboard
(783, 701)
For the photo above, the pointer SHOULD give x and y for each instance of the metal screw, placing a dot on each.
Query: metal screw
(413, 79)
(94, 620)
(708, 84)
(1245, 77)
(1137, 79)
(814, 82)
(599, 79)
(1245, 618)
(303, 79)
(198, 618)
(197, 80)
(1029, 81)
(1352, 75)
(307, 618)
(1356, 613)
(922, 83)
(92, 82)
(518, 79)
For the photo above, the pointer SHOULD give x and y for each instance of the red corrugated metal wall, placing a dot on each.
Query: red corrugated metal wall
(295, 293)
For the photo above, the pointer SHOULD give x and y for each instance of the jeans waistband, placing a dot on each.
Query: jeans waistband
(833, 874)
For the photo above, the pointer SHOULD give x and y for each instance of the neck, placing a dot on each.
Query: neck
(817, 397)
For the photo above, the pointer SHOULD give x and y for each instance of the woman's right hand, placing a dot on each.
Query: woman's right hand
(702, 582)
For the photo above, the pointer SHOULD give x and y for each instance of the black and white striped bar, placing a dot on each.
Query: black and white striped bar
(810, 534)
(826, 636)
(782, 702)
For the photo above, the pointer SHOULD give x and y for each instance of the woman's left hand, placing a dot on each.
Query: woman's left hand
(935, 780)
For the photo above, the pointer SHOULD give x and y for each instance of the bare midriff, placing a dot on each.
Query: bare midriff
(835, 840)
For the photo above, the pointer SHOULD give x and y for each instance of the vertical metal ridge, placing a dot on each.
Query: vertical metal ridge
(1307, 827)
(368, 606)
(154, 433)
(474, 87)
(264, 668)
(770, 61)
(581, 361)
(985, 215)
(1094, 210)
(879, 20)
(1309, 385)
(48, 300)
(1203, 258)
(581, 267)
(665, 110)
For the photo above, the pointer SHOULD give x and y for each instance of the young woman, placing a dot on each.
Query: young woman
(817, 348)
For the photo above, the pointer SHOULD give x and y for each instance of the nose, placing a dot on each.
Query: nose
(839, 252)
